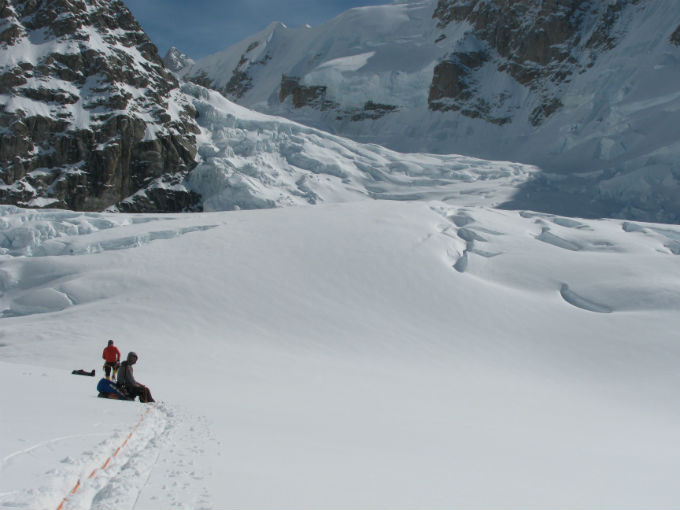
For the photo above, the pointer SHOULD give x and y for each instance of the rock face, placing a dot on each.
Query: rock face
(454, 88)
(175, 60)
(539, 44)
(304, 95)
(90, 119)
(675, 36)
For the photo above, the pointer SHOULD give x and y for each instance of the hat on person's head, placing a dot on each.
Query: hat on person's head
(110, 342)
(132, 355)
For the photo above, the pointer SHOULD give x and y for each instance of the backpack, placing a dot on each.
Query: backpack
(109, 389)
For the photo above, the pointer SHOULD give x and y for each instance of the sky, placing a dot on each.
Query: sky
(203, 27)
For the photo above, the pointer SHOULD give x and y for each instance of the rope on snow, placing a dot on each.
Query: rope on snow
(108, 460)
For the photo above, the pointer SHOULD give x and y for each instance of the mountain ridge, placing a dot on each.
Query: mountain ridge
(583, 89)
(583, 93)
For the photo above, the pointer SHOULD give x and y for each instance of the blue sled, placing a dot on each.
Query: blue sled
(109, 389)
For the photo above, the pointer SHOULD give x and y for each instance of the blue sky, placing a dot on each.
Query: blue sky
(202, 27)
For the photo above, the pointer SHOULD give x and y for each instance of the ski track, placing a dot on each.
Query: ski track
(161, 452)
(161, 449)
(179, 472)
(121, 482)
(43, 444)
(109, 477)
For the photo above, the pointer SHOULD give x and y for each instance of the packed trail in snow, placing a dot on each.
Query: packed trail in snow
(124, 479)
(367, 354)
(142, 463)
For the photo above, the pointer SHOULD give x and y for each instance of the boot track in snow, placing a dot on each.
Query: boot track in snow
(118, 480)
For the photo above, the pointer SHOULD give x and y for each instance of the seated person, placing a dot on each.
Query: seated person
(126, 380)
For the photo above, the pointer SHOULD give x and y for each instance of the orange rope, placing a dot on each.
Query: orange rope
(94, 472)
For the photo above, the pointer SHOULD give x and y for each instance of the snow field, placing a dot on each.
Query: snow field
(104, 458)
(334, 356)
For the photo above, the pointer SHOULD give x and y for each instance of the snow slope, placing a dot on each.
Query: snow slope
(385, 354)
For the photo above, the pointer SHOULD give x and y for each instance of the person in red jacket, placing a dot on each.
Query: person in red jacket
(111, 358)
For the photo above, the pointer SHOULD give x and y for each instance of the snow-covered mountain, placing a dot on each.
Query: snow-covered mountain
(584, 94)
(587, 90)
(94, 120)
(89, 113)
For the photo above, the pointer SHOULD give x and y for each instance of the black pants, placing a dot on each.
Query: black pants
(140, 391)
(108, 366)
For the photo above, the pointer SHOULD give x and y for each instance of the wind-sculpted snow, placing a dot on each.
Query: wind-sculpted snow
(597, 245)
(33, 276)
(250, 160)
(54, 232)
(364, 354)
(32, 285)
(580, 302)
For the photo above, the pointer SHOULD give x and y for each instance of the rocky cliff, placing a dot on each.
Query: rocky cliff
(90, 118)
(539, 44)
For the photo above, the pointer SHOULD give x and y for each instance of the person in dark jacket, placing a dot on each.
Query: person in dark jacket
(126, 380)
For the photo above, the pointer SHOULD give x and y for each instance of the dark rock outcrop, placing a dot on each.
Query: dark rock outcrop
(176, 61)
(241, 80)
(539, 44)
(453, 79)
(95, 119)
(454, 88)
(314, 96)
(304, 95)
(373, 111)
(675, 37)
